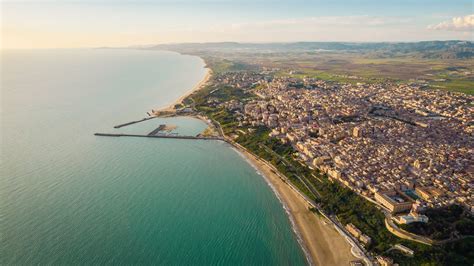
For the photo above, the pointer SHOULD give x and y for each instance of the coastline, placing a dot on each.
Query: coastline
(170, 108)
(321, 243)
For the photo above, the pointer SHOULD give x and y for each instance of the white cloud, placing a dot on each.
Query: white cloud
(465, 23)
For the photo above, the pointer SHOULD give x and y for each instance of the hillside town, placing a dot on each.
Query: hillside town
(403, 145)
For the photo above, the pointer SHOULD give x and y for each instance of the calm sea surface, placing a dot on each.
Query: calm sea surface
(68, 197)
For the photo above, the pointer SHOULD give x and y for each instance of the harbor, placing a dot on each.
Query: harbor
(163, 131)
(162, 136)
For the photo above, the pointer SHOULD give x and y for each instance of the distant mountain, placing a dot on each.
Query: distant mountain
(426, 49)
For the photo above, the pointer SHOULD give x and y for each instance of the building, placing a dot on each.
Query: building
(411, 218)
(365, 239)
(428, 193)
(353, 230)
(395, 201)
(357, 132)
(384, 261)
(320, 160)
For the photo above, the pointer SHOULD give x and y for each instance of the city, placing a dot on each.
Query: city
(370, 137)
(242, 132)
(404, 148)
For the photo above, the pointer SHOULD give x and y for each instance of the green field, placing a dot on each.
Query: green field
(445, 74)
(451, 75)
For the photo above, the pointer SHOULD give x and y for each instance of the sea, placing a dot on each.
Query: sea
(68, 197)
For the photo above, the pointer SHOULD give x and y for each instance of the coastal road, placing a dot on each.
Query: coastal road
(357, 249)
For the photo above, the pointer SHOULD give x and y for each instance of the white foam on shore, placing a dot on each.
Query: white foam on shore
(283, 203)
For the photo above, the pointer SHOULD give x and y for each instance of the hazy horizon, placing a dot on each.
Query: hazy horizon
(102, 23)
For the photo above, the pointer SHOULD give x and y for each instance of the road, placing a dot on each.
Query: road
(357, 249)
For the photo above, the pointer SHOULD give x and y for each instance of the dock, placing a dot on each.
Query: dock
(134, 122)
(158, 136)
(157, 130)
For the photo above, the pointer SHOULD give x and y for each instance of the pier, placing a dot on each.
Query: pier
(134, 122)
(157, 130)
(158, 136)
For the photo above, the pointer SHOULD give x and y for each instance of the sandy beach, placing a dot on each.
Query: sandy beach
(321, 241)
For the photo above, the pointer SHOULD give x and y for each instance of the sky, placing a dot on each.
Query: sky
(97, 23)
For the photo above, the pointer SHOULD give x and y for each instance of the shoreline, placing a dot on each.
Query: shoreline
(320, 241)
(288, 212)
(198, 86)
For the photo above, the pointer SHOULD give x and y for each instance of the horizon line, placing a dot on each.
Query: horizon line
(228, 42)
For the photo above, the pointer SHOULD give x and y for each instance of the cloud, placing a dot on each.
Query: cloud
(465, 23)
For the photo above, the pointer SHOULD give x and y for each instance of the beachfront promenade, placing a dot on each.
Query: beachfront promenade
(357, 249)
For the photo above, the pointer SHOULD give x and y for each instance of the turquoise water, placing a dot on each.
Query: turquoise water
(68, 197)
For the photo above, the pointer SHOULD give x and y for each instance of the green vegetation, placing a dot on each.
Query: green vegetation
(334, 198)
(334, 77)
(451, 75)
(218, 92)
(456, 84)
(222, 66)
(444, 223)
(445, 65)
(227, 93)
(350, 207)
